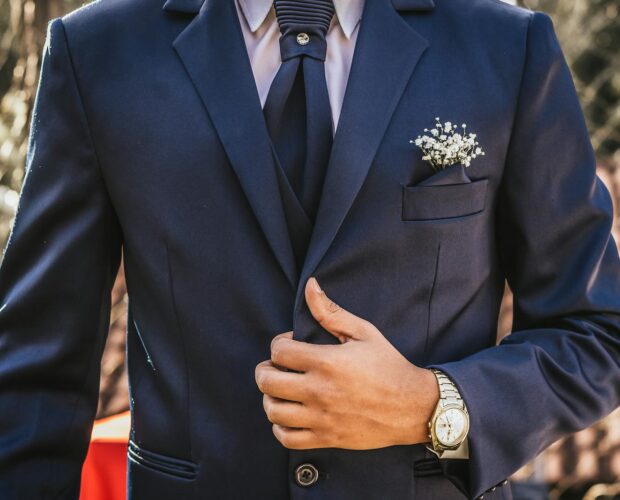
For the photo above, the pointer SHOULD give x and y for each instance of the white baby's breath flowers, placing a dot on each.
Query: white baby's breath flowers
(444, 145)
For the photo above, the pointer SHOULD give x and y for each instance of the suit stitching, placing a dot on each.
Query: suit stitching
(149, 359)
(520, 88)
(184, 348)
(81, 100)
(514, 118)
(430, 301)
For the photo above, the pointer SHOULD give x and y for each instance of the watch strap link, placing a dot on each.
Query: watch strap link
(448, 393)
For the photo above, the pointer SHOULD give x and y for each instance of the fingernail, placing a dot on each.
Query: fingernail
(316, 285)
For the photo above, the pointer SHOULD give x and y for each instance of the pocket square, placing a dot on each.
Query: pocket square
(454, 174)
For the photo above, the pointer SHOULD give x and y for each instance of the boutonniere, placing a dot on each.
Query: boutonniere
(444, 145)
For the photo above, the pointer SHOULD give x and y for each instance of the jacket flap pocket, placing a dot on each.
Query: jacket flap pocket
(163, 463)
(443, 201)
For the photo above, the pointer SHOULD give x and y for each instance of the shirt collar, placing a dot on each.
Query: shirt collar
(348, 12)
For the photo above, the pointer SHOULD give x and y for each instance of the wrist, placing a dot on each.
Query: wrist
(422, 396)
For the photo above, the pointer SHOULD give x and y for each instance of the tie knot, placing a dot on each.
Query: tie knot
(303, 26)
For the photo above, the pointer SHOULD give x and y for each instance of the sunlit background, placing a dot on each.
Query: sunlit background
(586, 465)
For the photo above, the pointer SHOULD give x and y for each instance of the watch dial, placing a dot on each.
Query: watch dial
(450, 426)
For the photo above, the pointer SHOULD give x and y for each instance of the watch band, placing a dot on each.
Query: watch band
(448, 393)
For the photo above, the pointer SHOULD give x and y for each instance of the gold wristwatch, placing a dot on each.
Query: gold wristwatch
(449, 424)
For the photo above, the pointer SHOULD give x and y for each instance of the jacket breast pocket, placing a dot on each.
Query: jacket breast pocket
(443, 201)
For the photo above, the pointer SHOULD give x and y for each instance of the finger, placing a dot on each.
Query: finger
(287, 413)
(285, 335)
(296, 439)
(300, 356)
(338, 321)
(281, 384)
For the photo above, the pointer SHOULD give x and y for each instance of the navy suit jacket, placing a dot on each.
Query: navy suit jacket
(148, 136)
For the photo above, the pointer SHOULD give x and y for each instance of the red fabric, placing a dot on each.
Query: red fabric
(105, 468)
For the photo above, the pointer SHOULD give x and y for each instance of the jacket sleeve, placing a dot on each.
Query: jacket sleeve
(56, 276)
(559, 369)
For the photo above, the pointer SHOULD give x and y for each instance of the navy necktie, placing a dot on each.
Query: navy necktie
(297, 109)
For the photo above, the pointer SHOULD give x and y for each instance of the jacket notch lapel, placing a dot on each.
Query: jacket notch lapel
(386, 54)
(186, 6)
(213, 52)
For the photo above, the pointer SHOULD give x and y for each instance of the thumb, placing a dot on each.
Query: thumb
(342, 324)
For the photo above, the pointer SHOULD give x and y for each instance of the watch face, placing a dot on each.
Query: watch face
(450, 426)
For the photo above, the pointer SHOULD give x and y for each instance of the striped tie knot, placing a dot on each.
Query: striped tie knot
(303, 27)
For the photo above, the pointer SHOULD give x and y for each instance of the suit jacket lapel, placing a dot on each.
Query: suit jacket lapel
(213, 52)
(386, 53)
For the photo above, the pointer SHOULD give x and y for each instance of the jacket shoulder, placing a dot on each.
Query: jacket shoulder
(118, 31)
(486, 9)
(495, 16)
(110, 16)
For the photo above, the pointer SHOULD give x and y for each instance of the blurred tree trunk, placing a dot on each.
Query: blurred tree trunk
(46, 10)
(21, 47)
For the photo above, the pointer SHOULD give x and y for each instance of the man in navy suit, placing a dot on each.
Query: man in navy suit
(325, 332)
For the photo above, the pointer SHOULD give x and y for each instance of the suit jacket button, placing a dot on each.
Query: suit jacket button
(306, 475)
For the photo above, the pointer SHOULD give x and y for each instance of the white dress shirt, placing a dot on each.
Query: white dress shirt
(262, 33)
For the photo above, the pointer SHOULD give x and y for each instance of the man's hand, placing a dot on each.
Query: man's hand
(359, 394)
